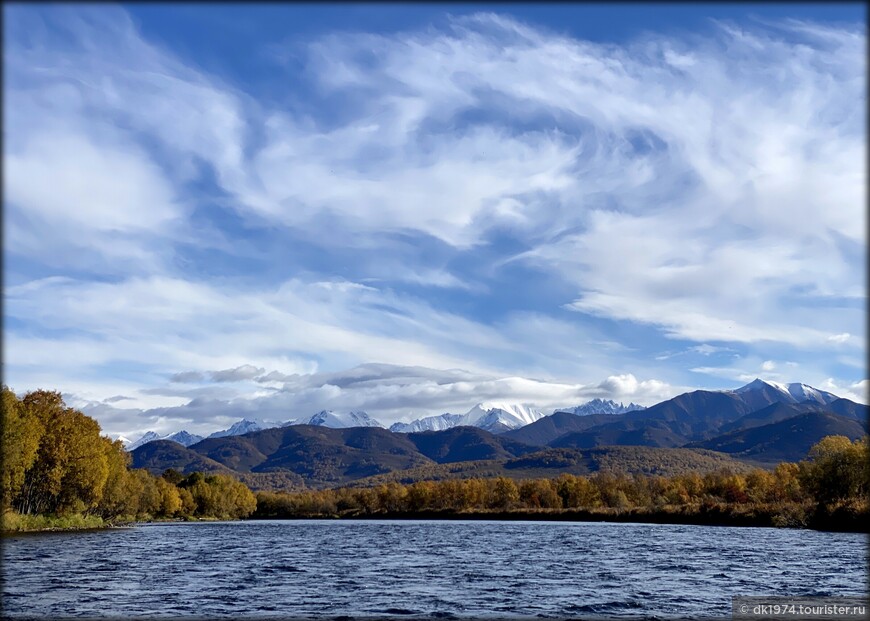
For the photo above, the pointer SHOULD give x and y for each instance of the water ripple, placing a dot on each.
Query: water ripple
(418, 569)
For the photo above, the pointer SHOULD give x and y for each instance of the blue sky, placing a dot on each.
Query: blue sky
(223, 211)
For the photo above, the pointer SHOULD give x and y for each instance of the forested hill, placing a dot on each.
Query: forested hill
(323, 457)
(697, 431)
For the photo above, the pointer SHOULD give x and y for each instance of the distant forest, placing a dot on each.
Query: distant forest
(58, 470)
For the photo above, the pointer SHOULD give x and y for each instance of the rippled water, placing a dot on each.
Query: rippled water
(434, 569)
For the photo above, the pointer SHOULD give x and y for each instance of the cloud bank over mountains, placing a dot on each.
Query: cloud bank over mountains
(395, 393)
(620, 221)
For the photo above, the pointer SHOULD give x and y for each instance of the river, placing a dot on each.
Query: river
(420, 569)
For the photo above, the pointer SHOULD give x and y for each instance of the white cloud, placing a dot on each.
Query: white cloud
(710, 188)
(840, 338)
(240, 373)
(855, 391)
(387, 392)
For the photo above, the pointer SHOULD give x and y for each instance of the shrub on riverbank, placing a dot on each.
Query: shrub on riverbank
(15, 522)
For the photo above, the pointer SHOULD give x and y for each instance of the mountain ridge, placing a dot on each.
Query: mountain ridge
(677, 415)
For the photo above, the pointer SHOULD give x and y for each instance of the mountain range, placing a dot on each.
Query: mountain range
(600, 406)
(181, 437)
(757, 424)
(496, 417)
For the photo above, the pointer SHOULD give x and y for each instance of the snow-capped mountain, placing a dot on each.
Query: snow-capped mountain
(337, 420)
(497, 417)
(760, 393)
(184, 438)
(428, 423)
(148, 436)
(803, 393)
(240, 428)
(124, 440)
(181, 437)
(600, 406)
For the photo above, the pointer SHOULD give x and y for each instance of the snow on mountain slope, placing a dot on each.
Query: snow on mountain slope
(785, 393)
(757, 385)
(802, 392)
(148, 436)
(181, 437)
(428, 423)
(600, 406)
(336, 420)
(184, 438)
(498, 416)
(240, 428)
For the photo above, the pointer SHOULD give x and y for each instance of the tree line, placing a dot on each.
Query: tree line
(56, 463)
(833, 480)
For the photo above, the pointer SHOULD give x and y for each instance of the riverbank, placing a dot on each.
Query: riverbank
(840, 519)
(16, 523)
(13, 523)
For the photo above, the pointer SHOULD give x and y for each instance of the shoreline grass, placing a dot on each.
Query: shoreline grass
(17, 523)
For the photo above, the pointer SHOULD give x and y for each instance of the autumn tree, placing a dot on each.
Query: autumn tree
(836, 469)
(504, 494)
(19, 442)
(70, 469)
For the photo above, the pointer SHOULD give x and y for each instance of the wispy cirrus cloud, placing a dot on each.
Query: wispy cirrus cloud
(484, 195)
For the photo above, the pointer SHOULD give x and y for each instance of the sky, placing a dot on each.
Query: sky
(221, 211)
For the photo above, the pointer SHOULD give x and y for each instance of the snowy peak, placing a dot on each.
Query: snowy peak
(334, 420)
(428, 423)
(761, 391)
(240, 428)
(601, 406)
(802, 392)
(760, 384)
(184, 438)
(181, 437)
(498, 416)
(148, 436)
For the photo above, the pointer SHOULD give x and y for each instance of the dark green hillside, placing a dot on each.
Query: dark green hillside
(849, 409)
(662, 461)
(160, 455)
(317, 455)
(238, 453)
(483, 469)
(466, 444)
(669, 424)
(554, 462)
(332, 456)
(786, 440)
(772, 413)
(695, 413)
(543, 431)
(654, 433)
(624, 459)
(275, 481)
